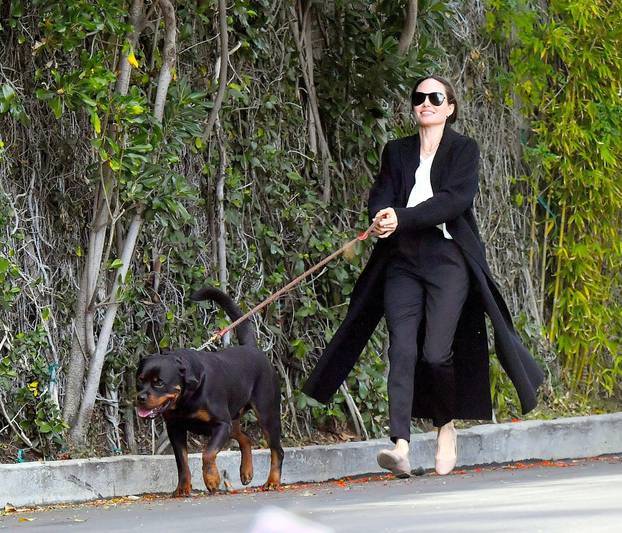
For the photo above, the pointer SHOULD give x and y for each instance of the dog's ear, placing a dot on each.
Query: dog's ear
(190, 378)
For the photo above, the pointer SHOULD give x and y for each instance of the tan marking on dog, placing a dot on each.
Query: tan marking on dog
(276, 463)
(153, 402)
(183, 489)
(246, 465)
(274, 477)
(211, 476)
(202, 415)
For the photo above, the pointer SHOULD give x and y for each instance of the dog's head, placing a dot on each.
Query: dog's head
(161, 380)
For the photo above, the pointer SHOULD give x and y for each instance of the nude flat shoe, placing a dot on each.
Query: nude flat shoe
(395, 462)
(446, 449)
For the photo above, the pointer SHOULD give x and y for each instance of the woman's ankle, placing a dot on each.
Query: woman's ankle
(446, 425)
(402, 446)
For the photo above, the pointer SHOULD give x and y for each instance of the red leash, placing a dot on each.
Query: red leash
(221, 333)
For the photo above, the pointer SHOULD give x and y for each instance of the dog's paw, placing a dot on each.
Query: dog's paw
(271, 485)
(182, 491)
(246, 476)
(212, 481)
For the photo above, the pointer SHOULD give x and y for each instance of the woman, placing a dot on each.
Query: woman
(428, 276)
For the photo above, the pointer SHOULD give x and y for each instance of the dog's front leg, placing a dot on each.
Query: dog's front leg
(179, 442)
(219, 437)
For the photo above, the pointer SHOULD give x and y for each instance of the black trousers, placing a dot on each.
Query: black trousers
(426, 277)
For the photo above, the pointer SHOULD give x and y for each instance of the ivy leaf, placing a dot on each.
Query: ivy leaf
(56, 104)
(42, 94)
(116, 264)
(44, 427)
(88, 100)
(141, 148)
(95, 122)
(8, 92)
(519, 199)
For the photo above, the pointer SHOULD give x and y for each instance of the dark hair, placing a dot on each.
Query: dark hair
(449, 90)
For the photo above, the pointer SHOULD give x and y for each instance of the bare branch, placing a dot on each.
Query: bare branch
(357, 418)
(125, 69)
(224, 64)
(15, 427)
(166, 73)
(220, 198)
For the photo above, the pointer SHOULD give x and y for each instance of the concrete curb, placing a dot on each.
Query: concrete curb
(43, 483)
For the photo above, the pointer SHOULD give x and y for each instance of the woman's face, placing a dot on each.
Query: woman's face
(428, 114)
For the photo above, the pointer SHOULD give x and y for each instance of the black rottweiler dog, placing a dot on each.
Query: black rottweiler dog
(207, 393)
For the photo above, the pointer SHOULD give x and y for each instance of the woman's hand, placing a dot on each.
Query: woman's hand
(386, 222)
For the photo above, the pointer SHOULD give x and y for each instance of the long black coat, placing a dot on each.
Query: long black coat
(454, 180)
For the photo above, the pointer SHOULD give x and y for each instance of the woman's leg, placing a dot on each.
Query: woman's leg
(447, 285)
(404, 302)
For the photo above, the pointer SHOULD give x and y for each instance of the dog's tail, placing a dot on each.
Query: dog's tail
(244, 331)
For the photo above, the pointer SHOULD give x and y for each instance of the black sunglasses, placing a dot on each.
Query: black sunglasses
(436, 98)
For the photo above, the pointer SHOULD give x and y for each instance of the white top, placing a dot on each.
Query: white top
(422, 190)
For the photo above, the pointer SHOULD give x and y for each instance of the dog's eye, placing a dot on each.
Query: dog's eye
(158, 383)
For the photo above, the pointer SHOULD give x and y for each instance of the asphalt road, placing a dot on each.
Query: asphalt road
(570, 496)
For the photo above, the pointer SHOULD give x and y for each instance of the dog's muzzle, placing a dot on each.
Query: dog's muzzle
(143, 412)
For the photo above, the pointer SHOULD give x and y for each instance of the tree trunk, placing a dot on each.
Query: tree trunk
(83, 345)
(83, 341)
(166, 73)
(77, 432)
(220, 198)
(137, 21)
(128, 412)
(223, 276)
(301, 29)
(410, 25)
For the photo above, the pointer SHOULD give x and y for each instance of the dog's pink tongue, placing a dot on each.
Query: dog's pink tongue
(143, 413)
